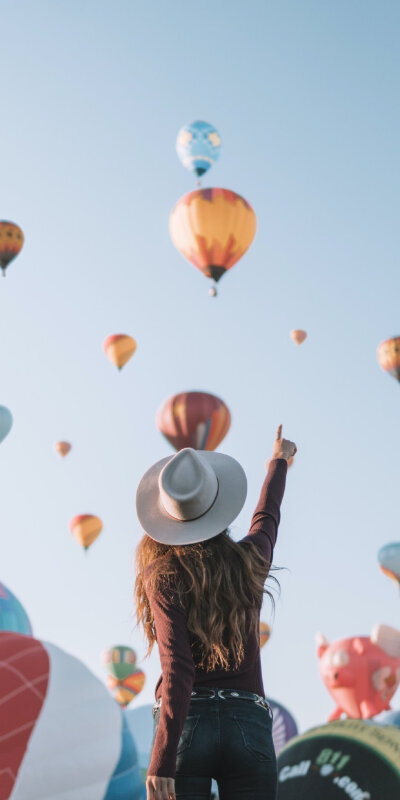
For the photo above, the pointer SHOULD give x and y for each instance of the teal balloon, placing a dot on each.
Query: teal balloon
(13, 616)
(6, 422)
(198, 146)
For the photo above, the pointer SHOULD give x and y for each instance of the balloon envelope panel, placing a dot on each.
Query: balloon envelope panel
(344, 759)
(66, 734)
(13, 616)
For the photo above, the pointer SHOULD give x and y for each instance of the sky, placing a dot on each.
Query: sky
(306, 99)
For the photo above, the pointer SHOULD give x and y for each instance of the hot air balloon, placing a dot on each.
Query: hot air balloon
(6, 422)
(13, 616)
(389, 560)
(119, 348)
(128, 688)
(265, 633)
(119, 661)
(284, 726)
(389, 356)
(298, 336)
(85, 528)
(212, 228)
(61, 733)
(194, 419)
(198, 146)
(11, 242)
(62, 448)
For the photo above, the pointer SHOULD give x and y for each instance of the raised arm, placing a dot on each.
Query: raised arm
(264, 524)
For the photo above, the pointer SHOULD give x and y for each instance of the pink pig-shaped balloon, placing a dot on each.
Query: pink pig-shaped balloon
(361, 673)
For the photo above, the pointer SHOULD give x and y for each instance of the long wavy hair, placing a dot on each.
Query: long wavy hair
(220, 584)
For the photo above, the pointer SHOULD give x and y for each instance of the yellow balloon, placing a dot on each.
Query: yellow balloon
(119, 348)
(85, 528)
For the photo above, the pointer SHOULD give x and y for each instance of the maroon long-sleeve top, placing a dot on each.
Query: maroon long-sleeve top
(179, 673)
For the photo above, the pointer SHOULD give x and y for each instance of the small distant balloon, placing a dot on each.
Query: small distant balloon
(198, 146)
(6, 422)
(389, 356)
(265, 633)
(127, 689)
(62, 448)
(85, 529)
(389, 561)
(119, 661)
(298, 336)
(119, 348)
(11, 242)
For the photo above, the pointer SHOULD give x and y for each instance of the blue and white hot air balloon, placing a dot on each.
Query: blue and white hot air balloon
(6, 422)
(198, 146)
(13, 616)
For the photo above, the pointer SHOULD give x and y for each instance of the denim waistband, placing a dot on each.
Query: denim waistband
(202, 693)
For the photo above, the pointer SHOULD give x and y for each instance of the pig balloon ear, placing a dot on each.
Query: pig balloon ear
(358, 645)
(387, 638)
(322, 644)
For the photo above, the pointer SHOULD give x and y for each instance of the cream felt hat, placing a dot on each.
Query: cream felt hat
(190, 497)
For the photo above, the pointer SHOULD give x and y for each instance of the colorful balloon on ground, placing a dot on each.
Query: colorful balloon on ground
(119, 348)
(127, 689)
(344, 760)
(298, 336)
(194, 419)
(13, 616)
(62, 448)
(61, 734)
(389, 560)
(11, 242)
(198, 146)
(284, 726)
(361, 673)
(6, 422)
(389, 356)
(265, 633)
(212, 228)
(119, 661)
(85, 528)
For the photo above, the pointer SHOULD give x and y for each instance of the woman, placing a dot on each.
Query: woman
(199, 595)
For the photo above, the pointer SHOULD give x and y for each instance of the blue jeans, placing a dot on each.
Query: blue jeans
(229, 740)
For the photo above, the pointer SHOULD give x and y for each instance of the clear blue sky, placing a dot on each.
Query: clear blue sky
(306, 98)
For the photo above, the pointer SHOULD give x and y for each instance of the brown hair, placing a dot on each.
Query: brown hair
(220, 584)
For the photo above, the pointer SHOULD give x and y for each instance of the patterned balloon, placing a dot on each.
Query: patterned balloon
(119, 348)
(198, 146)
(85, 528)
(284, 726)
(61, 734)
(11, 243)
(119, 661)
(194, 419)
(389, 356)
(212, 228)
(126, 690)
(265, 633)
(13, 616)
(389, 560)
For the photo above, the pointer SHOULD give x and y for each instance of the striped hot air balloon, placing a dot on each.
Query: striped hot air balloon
(119, 348)
(194, 419)
(85, 528)
(61, 734)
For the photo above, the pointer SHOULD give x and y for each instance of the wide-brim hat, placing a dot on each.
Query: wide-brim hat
(190, 497)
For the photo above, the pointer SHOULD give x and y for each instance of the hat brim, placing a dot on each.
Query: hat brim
(230, 499)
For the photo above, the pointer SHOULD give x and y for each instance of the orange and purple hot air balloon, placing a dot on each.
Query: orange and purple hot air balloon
(85, 529)
(194, 419)
(11, 243)
(119, 348)
(389, 356)
(212, 228)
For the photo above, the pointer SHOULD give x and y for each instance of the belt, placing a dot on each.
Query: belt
(225, 694)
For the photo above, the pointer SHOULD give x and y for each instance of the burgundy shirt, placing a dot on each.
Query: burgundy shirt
(179, 673)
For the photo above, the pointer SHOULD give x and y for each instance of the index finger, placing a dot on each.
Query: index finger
(279, 432)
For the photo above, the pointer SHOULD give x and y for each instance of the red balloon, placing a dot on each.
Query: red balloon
(194, 419)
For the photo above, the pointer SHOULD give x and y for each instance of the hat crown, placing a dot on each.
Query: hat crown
(188, 485)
